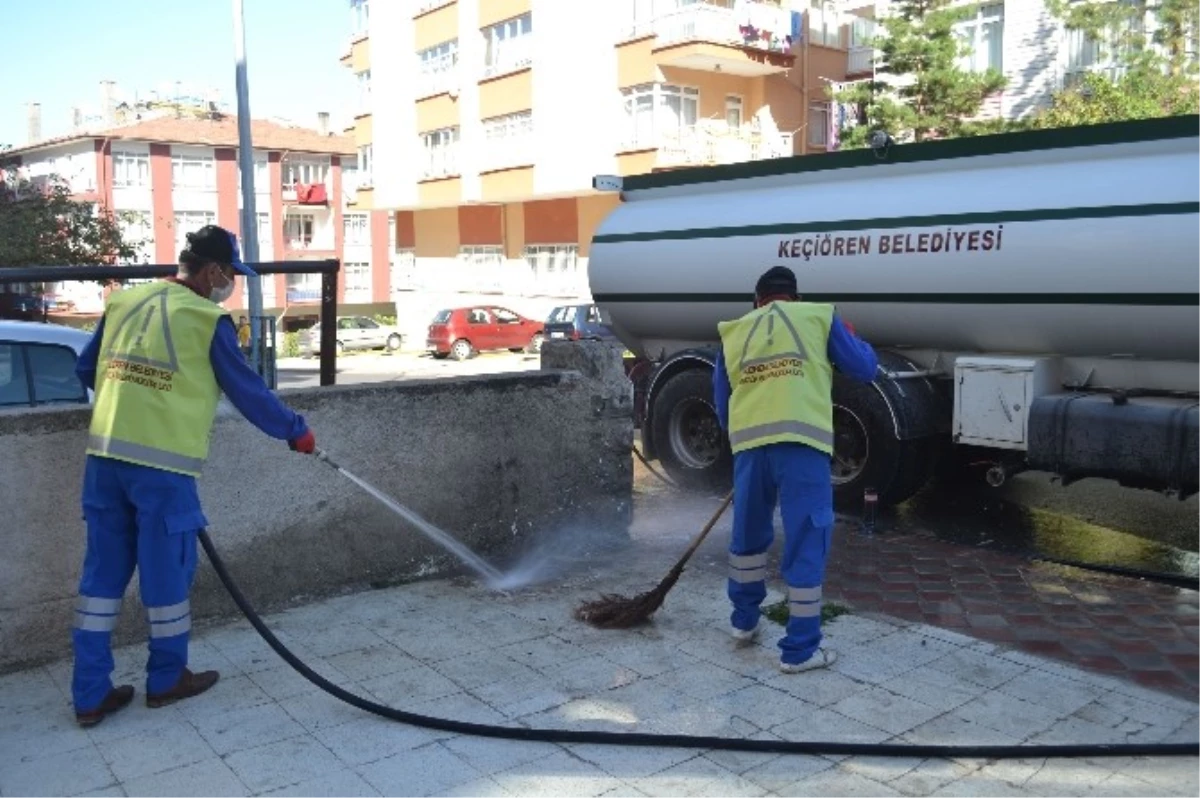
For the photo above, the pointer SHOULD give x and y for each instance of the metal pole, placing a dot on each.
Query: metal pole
(246, 165)
(329, 328)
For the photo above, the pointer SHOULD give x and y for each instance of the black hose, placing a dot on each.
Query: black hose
(678, 740)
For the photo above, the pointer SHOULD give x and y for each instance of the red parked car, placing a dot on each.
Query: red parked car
(463, 332)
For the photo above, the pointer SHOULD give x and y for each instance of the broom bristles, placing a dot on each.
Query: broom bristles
(612, 611)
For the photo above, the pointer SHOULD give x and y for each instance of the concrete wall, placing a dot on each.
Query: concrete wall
(496, 461)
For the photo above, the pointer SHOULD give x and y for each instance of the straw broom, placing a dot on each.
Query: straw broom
(612, 611)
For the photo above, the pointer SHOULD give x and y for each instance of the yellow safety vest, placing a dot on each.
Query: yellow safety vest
(778, 366)
(156, 393)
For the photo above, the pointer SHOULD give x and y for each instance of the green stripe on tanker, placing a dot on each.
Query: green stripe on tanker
(895, 222)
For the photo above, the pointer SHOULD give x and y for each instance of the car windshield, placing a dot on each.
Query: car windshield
(562, 315)
(442, 317)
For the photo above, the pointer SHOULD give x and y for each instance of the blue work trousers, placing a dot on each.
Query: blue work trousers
(136, 517)
(797, 477)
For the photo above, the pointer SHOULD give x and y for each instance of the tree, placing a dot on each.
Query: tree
(1146, 75)
(42, 224)
(920, 90)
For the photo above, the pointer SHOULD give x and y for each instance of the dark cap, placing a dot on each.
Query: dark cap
(778, 280)
(214, 243)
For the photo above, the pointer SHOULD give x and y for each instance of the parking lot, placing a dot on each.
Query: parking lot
(380, 367)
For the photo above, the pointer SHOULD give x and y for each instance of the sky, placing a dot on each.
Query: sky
(56, 52)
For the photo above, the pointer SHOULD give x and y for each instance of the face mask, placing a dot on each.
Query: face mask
(219, 295)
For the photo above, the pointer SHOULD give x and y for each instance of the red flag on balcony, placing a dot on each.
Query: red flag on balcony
(311, 194)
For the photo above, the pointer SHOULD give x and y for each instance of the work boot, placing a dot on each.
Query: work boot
(823, 658)
(744, 637)
(189, 684)
(117, 699)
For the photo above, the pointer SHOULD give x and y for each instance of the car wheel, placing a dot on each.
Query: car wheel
(461, 349)
(393, 342)
(440, 355)
(535, 343)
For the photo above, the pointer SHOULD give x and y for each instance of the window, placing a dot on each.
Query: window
(303, 288)
(298, 231)
(364, 92)
(365, 155)
(189, 222)
(1085, 54)
(266, 238)
(440, 153)
(193, 171)
(482, 256)
(555, 267)
(656, 110)
(304, 170)
(360, 17)
(437, 68)
(509, 140)
(481, 268)
(818, 124)
(358, 281)
(138, 231)
(404, 271)
(983, 39)
(130, 169)
(733, 112)
(507, 45)
(358, 229)
(32, 373)
(262, 174)
(825, 26)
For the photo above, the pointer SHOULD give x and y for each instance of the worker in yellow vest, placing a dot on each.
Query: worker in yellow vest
(158, 362)
(772, 387)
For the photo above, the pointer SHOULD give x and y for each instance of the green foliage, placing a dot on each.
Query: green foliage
(291, 345)
(385, 320)
(920, 92)
(1153, 76)
(778, 612)
(42, 225)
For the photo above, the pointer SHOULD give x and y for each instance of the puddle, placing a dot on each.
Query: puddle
(991, 521)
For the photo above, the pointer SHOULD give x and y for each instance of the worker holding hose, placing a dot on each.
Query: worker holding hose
(772, 387)
(159, 360)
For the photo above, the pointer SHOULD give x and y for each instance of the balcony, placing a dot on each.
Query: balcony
(860, 61)
(508, 55)
(716, 39)
(440, 162)
(425, 6)
(438, 76)
(298, 242)
(702, 145)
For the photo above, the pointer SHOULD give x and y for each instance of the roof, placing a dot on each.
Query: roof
(1002, 143)
(219, 132)
(40, 333)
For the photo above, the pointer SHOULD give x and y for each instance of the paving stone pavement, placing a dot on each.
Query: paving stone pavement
(450, 648)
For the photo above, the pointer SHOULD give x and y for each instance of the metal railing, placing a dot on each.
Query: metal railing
(705, 146)
(328, 269)
(710, 23)
(510, 55)
(438, 75)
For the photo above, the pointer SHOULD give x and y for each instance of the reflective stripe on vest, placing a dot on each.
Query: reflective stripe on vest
(156, 394)
(777, 362)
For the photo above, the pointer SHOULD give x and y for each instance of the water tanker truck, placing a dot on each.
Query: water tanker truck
(1032, 298)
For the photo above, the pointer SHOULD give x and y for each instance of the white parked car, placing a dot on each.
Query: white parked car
(354, 332)
(37, 364)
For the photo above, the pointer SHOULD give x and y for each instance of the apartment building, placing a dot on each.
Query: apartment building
(172, 173)
(481, 123)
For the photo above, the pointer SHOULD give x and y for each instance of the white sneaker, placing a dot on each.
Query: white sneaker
(745, 637)
(823, 658)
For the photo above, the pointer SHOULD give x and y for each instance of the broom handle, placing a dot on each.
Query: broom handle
(704, 532)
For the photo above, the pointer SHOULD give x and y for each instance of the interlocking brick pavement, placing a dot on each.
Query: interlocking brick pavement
(1125, 627)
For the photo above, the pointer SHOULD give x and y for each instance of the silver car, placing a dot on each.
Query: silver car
(354, 332)
(37, 364)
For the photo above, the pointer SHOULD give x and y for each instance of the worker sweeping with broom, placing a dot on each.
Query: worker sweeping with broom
(772, 386)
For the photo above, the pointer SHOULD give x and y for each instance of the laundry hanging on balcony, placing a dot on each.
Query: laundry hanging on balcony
(765, 26)
(311, 194)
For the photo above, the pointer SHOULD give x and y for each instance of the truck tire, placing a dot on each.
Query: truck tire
(867, 453)
(687, 435)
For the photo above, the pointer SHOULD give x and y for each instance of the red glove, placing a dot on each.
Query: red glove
(305, 444)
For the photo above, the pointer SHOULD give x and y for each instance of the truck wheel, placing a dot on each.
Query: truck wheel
(687, 435)
(866, 452)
